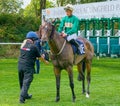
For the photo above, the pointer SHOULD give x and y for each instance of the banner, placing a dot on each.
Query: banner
(86, 11)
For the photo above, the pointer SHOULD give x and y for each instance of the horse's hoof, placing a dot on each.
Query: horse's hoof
(87, 95)
(73, 100)
(57, 99)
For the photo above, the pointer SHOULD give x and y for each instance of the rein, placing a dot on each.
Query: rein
(51, 37)
(52, 32)
(60, 49)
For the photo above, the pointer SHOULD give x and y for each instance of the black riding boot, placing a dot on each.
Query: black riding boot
(80, 49)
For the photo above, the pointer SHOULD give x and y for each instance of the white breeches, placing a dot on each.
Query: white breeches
(70, 37)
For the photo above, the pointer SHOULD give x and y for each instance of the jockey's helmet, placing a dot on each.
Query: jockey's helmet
(32, 35)
(69, 7)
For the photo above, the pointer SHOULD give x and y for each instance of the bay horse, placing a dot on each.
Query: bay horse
(62, 57)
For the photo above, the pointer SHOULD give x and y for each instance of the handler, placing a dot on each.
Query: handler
(69, 27)
(28, 55)
(38, 45)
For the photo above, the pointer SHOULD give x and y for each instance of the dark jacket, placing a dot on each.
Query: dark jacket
(28, 54)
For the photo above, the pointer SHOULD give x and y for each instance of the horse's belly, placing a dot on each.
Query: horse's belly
(62, 63)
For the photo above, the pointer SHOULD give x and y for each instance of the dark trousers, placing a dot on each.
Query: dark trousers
(37, 66)
(25, 79)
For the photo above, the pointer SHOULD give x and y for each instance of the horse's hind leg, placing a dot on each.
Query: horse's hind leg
(81, 70)
(57, 75)
(88, 66)
(70, 74)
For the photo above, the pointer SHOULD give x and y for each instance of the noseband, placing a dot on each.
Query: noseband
(51, 38)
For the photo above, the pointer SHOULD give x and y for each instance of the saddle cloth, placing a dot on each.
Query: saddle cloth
(75, 49)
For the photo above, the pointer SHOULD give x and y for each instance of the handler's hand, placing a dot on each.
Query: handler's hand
(42, 58)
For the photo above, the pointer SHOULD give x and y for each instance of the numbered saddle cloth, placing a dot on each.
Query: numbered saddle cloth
(80, 50)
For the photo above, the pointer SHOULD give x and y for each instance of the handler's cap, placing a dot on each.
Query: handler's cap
(69, 7)
(32, 35)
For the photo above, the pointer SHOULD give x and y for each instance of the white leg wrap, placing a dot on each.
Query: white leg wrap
(87, 95)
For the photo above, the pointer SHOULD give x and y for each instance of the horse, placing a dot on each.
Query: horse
(62, 57)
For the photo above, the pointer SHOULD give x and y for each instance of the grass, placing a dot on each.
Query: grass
(105, 85)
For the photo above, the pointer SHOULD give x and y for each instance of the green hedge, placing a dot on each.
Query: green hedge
(14, 27)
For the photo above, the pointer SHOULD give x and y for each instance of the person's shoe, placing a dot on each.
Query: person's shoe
(29, 96)
(22, 101)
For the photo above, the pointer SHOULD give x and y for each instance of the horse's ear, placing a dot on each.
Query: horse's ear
(39, 32)
(43, 20)
(43, 23)
(53, 21)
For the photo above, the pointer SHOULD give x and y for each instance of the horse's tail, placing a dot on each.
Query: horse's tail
(90, 48)
(83, 66)
(91, 51)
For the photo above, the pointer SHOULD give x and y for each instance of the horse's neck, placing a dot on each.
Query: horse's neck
(56, 43)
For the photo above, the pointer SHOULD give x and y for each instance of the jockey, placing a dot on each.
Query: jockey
(69, 27)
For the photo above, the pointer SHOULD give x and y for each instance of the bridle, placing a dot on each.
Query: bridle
(51, 38)
(47, 29)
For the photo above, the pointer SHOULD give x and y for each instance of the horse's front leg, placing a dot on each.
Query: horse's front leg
(70, 74)
(57, 72)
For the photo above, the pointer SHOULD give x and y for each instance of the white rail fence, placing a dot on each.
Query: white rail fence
(9, 43)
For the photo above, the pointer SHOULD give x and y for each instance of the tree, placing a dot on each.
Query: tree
(10, 6)
(35, 7)
(89, 1)
(64, 2)
(42, 5)
(60, 2)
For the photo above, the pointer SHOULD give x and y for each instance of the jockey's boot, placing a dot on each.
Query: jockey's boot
(79, 47)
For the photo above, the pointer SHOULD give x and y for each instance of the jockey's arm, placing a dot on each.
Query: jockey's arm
(61, 25)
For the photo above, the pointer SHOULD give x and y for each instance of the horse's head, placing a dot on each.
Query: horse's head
(46, 31)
